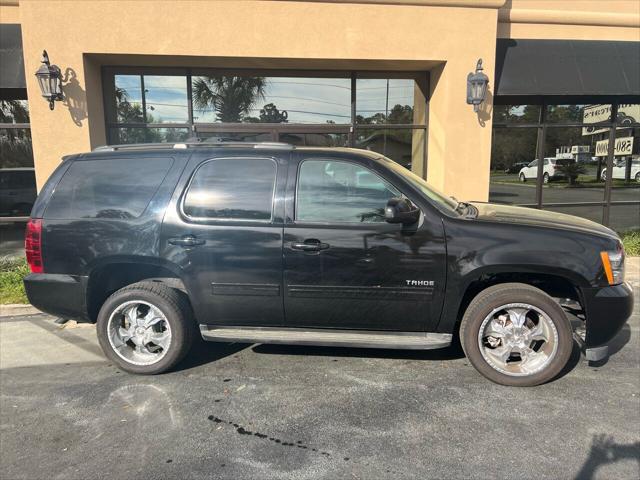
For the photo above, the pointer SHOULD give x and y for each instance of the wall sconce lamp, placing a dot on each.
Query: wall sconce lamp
(477, 87)
(50, 80)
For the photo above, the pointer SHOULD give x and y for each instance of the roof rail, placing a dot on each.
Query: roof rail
(183, 145)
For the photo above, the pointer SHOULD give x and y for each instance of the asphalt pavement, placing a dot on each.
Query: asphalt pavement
(235, 411)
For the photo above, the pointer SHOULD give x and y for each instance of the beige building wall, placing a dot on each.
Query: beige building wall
(444, 36)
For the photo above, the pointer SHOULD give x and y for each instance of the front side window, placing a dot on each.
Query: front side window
(331, 191)
(232, 189)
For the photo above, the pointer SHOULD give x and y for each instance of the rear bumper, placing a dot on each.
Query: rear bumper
(59, 295)
(606, 310)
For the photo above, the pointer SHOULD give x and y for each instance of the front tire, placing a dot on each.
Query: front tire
(146, 328)
(546, 178)
(523, 179)
(516, 335)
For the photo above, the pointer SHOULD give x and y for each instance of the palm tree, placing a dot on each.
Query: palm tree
(230, 97)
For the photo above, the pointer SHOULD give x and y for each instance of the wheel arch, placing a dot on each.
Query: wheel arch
(559, 284)
(115, 273)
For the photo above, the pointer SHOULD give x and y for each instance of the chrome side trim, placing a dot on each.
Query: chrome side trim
(327, 337)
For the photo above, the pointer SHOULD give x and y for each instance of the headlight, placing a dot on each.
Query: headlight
(613, 263)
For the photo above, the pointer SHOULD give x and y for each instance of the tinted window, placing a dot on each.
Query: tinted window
(232, 188)
(119, 188)
(341, 192)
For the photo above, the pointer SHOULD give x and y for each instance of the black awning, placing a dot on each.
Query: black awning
(12, 70)
(567, 67)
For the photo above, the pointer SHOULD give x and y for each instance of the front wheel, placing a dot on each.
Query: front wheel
(545, 178)
(603, 175)
(638, 177)
(146, 328)
(523, 178)
(516, 335)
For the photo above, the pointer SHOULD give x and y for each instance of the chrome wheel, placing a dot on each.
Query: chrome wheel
(139, 332)
(518, 339)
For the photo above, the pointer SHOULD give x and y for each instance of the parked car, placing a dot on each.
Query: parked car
(620, 170)
(17, 191)
(268, 243)
(515, 168)
(550, 170)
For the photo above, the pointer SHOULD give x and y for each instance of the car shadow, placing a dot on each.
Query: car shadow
(449, 353)
(203, 352)
(615, 345)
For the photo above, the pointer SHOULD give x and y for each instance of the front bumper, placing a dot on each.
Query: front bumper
(606, 310)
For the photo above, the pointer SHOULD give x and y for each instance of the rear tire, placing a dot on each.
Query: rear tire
(146, 328)
(532, 353)
(546, 178)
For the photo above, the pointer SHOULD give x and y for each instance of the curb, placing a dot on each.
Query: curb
(14, 310)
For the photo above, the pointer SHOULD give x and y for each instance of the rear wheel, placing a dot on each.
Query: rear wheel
(146, 328)
(603, 175)
(545, 178)
(638, 177)
(515, 334)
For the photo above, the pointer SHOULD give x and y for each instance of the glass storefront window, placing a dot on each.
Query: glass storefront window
(625, 174)
(166, 99)
(235, 136)
(315, 139)
(386, 101)
(588, 114)
(130, 135)
(15, 148)
(513, 114)
(571, 170)
(236, 99)
(128, 98)
(514, 168)
(14, 111)
(623, 218)
(404, 146)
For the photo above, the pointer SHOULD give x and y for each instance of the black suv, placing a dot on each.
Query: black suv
(268, 243)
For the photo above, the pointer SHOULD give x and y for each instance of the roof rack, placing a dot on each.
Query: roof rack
(184, 145)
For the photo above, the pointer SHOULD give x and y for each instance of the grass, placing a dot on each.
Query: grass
(12, 271)
(631, 241)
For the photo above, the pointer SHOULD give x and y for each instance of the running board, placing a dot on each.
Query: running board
(327, 337)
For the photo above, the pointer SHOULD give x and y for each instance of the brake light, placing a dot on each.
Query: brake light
(33, 245)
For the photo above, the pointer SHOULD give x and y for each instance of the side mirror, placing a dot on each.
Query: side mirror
(401, 210)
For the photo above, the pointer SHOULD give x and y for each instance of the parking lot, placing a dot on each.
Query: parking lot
(243, 411)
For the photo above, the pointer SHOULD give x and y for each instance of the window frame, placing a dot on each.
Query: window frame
(221, 220)
(351, 128)
(297, 222)
(542, 124)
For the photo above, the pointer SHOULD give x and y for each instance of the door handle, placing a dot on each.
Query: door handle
(310, 245)
(186, 241)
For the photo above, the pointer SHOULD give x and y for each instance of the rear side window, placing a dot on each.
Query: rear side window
(232, 189)
(119, 188)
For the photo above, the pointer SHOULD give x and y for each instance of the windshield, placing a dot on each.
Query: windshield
(441, 201)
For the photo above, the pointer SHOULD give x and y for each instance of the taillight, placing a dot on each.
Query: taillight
(33, 245)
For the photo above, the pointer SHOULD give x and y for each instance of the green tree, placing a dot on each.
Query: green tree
(572, 171)
(231, 98)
